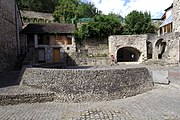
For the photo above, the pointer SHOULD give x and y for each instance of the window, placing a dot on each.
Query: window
(43, 40)
(169, 28)
(62, 40)
(41, 55)
(165, 30)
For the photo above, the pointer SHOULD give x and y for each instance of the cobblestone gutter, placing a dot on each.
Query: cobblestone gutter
(89, 85)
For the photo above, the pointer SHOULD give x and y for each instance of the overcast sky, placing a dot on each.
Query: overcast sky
(123, 7)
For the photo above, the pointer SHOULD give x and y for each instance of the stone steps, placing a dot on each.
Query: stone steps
(23, 94)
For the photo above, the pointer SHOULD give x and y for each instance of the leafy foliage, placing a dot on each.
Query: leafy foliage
(38, 5)
(102, 27)
(65, 11)
(68, 10)
(138, 23)
(86, 10)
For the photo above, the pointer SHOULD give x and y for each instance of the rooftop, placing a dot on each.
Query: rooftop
(167, 21)
(42, 28)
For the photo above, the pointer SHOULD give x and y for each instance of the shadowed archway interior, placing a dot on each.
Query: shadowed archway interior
(128, 54)
(160, 48)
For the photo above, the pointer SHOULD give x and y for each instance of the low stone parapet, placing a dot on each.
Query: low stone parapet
(82, 85)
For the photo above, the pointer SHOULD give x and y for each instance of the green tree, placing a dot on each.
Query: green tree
(138, 23)
(65, 11)
(86, 10)
(102, 27)
(37, 5)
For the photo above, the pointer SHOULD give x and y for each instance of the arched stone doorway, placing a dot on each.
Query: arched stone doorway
(160, 48)
(128, 54)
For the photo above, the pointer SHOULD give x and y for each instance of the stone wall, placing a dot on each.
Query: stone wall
(89, 61)
(8, 34)
(36, 17)
(176, 15)
(135, 41)
(89, 84)
(172, 51)
(96, 48)
(92, 52)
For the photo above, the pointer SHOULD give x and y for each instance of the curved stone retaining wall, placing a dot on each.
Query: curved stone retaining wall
(89, 85)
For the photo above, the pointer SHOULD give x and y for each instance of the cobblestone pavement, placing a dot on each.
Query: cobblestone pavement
(162, 103)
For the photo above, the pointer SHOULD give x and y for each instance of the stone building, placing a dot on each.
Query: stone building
(176, 15)
(128, 48)
(36, 17)
(49, 43)
(167, 24)
(162, 48)
(10, 25)
(54, 43)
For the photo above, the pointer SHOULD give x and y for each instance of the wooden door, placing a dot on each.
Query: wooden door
(56, 55)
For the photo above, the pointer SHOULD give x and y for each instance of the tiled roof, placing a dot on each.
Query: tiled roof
(167, 21)
(169, 7)
(48, 28)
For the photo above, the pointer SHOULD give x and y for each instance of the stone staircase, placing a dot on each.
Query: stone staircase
(12, 93)
(23, 94)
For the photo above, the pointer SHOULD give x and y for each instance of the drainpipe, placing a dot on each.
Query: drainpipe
(17, 30)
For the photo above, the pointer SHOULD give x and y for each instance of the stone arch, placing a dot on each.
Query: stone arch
(160, 47)
(128, 54)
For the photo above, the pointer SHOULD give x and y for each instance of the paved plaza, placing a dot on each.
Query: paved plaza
(161, 103)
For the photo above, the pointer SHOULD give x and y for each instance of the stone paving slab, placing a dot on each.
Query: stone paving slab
(24, 94)
(162, 103)
(160, 76)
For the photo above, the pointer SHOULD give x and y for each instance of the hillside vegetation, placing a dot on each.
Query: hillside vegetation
(100, 25)
(38, 5)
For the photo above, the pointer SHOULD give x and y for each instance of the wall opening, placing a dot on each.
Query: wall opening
(43, 40)
(41, 55)
(149, 50)
(161, 48)
(56, 55)
(128, 54)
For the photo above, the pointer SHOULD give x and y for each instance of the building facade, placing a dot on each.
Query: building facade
(162, 48)
(49, 43)
(128, 48)
(10, 26)
(167, 24)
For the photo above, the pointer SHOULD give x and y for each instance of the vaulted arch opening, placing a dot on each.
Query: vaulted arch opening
(128, 54)
(160, 47)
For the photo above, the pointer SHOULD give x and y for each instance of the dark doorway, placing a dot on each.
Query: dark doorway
(128, 54)
(149, 50)
(41, 55)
